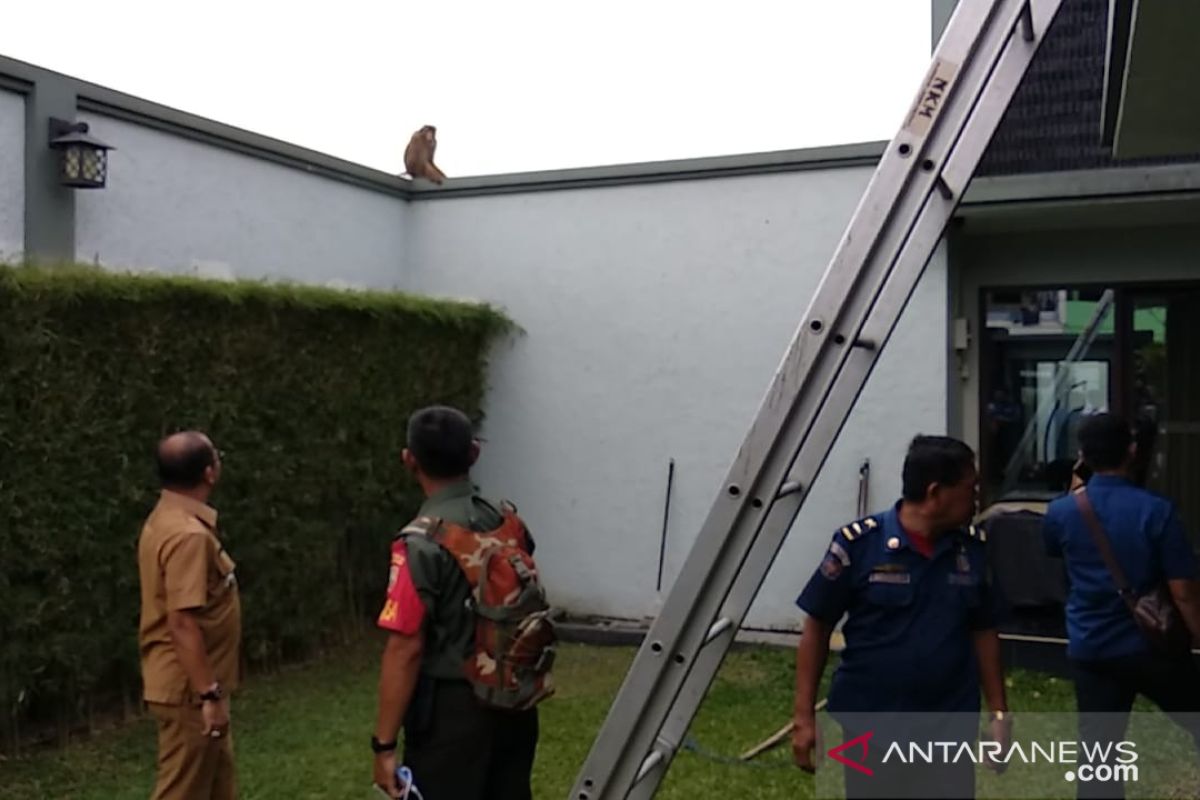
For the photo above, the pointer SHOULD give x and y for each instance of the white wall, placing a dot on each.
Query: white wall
(12, 175)
(181, 206)
(655, 316)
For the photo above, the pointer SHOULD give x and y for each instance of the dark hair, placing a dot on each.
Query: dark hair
(935, 459)
(1058, 474)
(1104, 440)
(440, 439)
(183, 458)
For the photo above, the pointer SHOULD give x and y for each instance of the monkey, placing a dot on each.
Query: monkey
(418, 156)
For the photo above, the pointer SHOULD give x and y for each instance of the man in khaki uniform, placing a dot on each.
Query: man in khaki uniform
(190, 628)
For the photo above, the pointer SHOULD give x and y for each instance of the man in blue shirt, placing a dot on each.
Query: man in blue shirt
(1112, 658)
(920, 636)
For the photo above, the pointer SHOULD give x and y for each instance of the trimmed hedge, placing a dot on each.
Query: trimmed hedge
(305, 390)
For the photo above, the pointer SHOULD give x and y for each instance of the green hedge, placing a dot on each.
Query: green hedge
(305, 390)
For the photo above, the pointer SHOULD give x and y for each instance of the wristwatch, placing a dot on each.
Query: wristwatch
(382, 747)
(212, 694)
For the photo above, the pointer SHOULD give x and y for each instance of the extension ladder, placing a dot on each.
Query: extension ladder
(918, 183)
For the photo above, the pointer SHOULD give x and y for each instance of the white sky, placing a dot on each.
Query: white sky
(511, 86)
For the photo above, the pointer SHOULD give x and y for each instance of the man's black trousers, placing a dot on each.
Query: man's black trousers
(1105, 691)
(459, 750)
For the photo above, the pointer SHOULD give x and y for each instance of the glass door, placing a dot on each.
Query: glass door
(1048, 361)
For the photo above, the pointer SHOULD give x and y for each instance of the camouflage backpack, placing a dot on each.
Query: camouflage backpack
(509, 666)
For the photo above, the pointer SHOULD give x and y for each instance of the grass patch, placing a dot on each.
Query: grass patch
(302, 733)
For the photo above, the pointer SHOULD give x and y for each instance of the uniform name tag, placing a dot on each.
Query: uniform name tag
(889, 577)
(963, 580)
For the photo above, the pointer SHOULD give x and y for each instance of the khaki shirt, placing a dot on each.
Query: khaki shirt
(183, 566)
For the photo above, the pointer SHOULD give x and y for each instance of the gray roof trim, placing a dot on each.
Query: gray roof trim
(1083, 184)
(101, 100)
(107, 102)
(12, 83)
(177, 123)
(835, 157)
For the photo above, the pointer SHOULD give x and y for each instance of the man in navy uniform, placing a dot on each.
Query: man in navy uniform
(1113, 660)
(921, 635)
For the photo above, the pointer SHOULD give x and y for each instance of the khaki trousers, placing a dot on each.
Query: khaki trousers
(191, 766)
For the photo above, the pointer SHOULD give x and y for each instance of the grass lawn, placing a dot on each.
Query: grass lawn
(303, 733)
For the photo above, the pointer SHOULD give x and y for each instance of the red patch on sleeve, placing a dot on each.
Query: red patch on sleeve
(403, 612)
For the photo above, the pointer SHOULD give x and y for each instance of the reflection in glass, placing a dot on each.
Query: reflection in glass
(1048, 365)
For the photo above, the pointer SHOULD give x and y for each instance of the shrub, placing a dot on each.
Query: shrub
(306, 391)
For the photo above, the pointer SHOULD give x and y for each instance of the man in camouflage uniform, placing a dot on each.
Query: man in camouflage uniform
(456, 748)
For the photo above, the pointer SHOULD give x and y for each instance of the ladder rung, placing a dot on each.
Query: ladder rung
(653, 760)
(791, 487)
(718, 627)
(944, 188)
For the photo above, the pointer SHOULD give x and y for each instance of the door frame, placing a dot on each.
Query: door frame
(1121, 389)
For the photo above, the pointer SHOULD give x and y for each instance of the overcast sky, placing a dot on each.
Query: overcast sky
(511, 86)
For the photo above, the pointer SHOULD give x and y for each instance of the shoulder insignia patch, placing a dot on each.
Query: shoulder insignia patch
(856, 529)
(421, 526)
(831, 567)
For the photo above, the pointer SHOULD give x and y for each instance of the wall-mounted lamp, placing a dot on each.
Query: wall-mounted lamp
(83, 159)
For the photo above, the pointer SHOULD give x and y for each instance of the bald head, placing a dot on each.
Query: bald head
(185, 460)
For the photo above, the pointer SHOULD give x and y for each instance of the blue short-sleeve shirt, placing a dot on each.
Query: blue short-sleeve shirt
(1148, 541)
(911, 619)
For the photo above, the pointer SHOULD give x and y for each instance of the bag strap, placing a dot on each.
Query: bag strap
(1102, 544)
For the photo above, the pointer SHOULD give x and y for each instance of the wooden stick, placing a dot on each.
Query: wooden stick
(775, 739)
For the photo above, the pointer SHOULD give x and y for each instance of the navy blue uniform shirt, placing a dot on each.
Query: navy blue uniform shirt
(909, 634)
(1149, 543)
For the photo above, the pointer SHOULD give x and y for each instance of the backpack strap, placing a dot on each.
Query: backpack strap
(512, 524)
(465, 545)
(489, 503)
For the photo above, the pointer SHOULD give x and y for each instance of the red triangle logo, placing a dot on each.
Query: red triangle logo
(836, 753)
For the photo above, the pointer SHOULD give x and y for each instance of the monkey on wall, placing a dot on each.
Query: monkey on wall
(418, 156)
